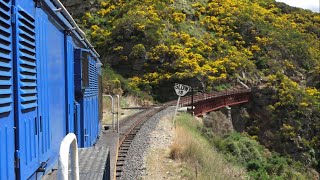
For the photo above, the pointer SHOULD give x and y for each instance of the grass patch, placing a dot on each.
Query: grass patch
(107, 116)
(222, 87)
(201, 160)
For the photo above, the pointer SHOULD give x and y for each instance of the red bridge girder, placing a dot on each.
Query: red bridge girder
(207, 102)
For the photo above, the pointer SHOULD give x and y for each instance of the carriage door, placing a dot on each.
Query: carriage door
(45, 146)
(26, 88)
(70, 84)
(6, 93)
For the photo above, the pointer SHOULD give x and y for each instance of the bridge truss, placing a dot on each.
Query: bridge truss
(206, 102)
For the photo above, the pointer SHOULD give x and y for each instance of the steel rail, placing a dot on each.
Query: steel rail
(131, 132)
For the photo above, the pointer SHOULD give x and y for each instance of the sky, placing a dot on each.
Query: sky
(313, 5)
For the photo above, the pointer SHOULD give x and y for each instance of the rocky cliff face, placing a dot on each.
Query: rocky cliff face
(244, 117)
(218, 122)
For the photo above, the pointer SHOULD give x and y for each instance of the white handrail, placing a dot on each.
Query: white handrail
(112, 110)
(69, 140)
(118, 111)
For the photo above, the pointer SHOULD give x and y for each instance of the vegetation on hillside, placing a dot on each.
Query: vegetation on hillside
(294, 123)
(233, 156)
(199, 158)
(114, 83)
(154, 42)
(261, 42)
(259, 161)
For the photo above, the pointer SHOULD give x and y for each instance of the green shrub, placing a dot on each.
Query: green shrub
(243, 150)
(114, 83)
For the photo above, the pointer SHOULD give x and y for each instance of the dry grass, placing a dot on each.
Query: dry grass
(132, 101)
(107, 116)
(201, 160)
(125, 101)
(181, 143)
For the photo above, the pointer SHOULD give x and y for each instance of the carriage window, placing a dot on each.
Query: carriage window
(85, 69)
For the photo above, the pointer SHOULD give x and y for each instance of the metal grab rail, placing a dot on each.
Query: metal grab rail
(112, 110)
(67, 15)
(69, 140)
(118, 111)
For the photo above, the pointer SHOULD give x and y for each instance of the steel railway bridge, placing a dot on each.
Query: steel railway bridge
(202, 103)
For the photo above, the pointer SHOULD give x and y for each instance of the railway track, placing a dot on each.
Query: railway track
(129, 127)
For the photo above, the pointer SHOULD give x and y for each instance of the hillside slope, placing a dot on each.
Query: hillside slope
(210, 44)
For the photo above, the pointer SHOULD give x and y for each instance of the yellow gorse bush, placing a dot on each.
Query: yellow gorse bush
(219, 53)
(179, 17)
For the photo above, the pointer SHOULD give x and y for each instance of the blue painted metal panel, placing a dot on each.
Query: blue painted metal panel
(43, 86)
(70, 83)
(86, 121)
(90, 120)
(26, 93)
(27, 5)
(96, 119)
(6, 94)
(57, 91)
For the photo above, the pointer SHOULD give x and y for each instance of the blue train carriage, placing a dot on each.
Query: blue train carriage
(88, 97)
(50, 85)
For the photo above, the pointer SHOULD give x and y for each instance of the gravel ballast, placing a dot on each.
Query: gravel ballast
(134, 166)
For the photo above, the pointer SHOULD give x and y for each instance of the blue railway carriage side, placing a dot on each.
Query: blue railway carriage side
(49, 86)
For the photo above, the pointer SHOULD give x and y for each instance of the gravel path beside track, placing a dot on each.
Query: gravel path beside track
(134, 166)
